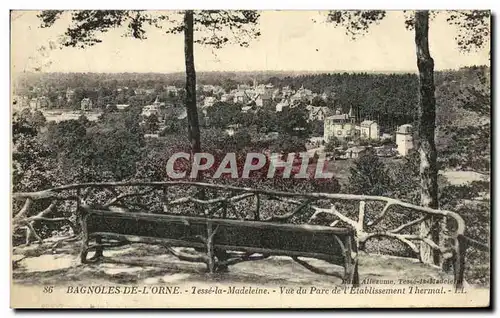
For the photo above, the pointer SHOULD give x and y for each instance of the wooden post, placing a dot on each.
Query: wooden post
(165, 199)
(459, 261)
(99, 249)
(353, 248)
(85, 240)
(210, 247)
(257, 208)
(351, 263)
(361, 215)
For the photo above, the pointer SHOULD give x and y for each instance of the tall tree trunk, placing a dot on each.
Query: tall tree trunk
(191, 109)
(426, 131)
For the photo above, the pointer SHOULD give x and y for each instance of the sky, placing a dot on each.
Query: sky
(289, 41)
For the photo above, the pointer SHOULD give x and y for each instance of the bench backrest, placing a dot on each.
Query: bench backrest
(244, 235)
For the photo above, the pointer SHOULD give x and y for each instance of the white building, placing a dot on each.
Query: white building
(284, 104)
(122, 106)
(153, 109)
(209, 101)
(171, 90)
(404, 139)
(369, 129)
(86, 104)
(263, 100)
(386, 136)
(240, 97)
(354, 152)
(227, 98)
(340, 126)
(317, 113)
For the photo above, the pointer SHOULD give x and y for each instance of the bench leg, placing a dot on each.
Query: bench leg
(351, 264)
(86, 248)
(351, 275)
(98, 251)
(221, 256)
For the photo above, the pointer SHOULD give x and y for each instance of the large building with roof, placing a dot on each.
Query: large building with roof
(340, 126)
(369, 129)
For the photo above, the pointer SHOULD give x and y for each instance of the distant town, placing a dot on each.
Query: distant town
(343, 134)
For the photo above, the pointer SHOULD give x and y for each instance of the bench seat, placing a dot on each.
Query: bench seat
(295, 240)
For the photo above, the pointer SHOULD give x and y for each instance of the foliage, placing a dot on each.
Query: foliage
(222, 114)
(87, 25)
(356, 22)
(333, 143)
(369, 175)
(151, 124)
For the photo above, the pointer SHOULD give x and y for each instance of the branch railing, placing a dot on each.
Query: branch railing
(226, 201)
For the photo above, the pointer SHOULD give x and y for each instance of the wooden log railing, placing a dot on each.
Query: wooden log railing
(226, 201)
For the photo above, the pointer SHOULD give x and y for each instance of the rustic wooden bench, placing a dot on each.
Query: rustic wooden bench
(103, 229)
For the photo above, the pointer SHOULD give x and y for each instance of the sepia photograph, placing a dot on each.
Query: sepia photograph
(250, 158)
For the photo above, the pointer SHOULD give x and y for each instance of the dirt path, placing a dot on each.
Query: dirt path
(149, 265)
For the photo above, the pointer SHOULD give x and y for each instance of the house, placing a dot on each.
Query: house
(144, 91)
(276, 94)
(263, 99)
(149, 110)
(245, 109)
(122, 106)
(295, 100)
(284, 104)
(240, 97)
(86, 104)
(354, 152)
(317, 113)
(70, 94)
(315, 142)
(339, 126)
(386, 136)
(39, 102)
(404, 139)
(33, 103)
(303, 94)
(384, 151)
(182, 115)
(243, 87)
(209, 101)
(287, 91)
(207, 88)
(227, 97)
(153, 109)
(369, 129)
(171, 90)
(273, 135)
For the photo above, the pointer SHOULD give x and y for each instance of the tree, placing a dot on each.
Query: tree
(151, 125)
(38, 119)
(87, 24)
(357, 22)
(369, 175)
(333, 143)
(222, 114)
(318, 101)
(294, 122)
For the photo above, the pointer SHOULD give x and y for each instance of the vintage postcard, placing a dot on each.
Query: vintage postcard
(250, 159)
